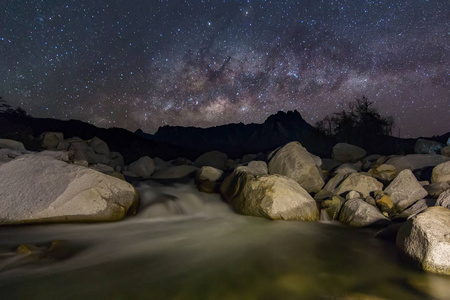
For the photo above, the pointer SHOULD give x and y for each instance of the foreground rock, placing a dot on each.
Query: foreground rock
(405, 190)
(40, 189)
(425, 240)
(295, 162)
(359, 213)
(272, 196)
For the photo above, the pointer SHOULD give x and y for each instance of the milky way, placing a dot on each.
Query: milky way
(145, 64)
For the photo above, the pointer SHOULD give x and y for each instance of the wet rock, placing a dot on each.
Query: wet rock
(295, 162)
(207, 179)
(347, 153)
(214, 159)
(40, 189)
(441, 173)
(356, 212)
(271, 196)
(425, 240)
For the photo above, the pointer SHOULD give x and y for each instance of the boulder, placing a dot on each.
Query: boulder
(12, 144)
(40, 189)
(444, 199)
(6, 154)
(143, 167)
(50, 140)
(356, 212)
(105, 169)
(295, 162)
(99, 146)
(207, 179)
(214, 159)
(271, 196)
(248, 158)
(347, 169)
(446, 151)
(423, 146)
(425, 240)
(258, 167)
(416, 208)
(404, 190)
(329, 164)
(359, 182)
(416, 161)
(116, 161)
(435, 189)
(161, 164)
(384, 172)
(175, 172)
(333, 206)
(441, 173)
(347, 153)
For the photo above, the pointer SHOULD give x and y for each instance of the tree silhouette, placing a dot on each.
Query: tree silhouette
(360, 122)
(6, 109)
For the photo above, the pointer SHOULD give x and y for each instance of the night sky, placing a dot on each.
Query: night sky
(144, 64)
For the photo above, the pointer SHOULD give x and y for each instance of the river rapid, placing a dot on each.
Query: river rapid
(184, 244)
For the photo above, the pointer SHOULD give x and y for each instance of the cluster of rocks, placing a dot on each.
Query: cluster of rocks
(352, 188)
(82, 180)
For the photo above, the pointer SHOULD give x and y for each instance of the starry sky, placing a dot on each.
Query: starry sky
(148, 63)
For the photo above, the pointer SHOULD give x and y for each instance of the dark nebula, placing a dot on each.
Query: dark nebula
(144, 64)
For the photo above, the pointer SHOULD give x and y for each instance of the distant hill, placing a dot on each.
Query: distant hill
(171, 142)
(239, 139)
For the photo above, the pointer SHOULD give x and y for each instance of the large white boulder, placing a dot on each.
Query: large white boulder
(295, 162)
(347, 153)
(441, 173)
(405, 190)
(40, 189)
(272, 196)
(425, 240)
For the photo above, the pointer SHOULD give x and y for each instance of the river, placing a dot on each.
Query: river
(184, 244)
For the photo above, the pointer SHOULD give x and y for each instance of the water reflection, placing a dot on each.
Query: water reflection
(186, 244)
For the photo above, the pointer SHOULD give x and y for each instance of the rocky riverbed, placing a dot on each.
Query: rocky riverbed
(76, 180)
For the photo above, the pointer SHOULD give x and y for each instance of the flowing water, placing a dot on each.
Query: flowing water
(184, 244)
